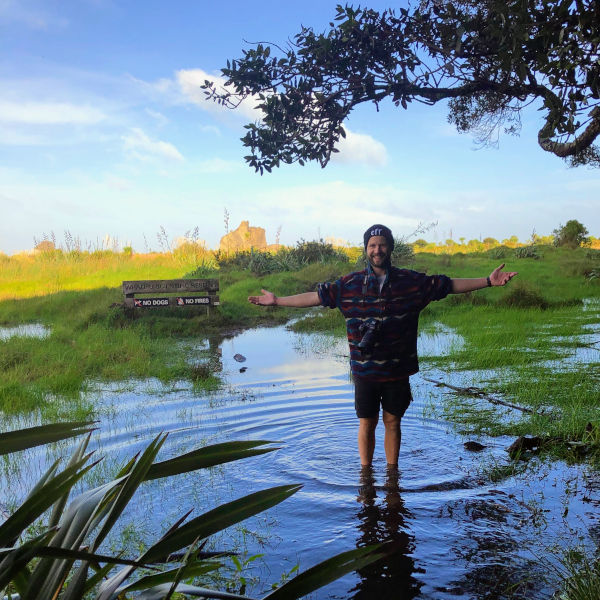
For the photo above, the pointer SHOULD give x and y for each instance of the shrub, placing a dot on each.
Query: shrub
(317, 251)
(593, 275)
(260, 262)
(592, 254)
(527, 252)
(403, 253)
(522, 295)
(500, 252)
(572, 234)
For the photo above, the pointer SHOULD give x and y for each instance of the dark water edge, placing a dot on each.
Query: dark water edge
(451, 532)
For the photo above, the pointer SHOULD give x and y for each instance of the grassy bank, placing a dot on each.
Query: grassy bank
(91, 341)
(529, 342)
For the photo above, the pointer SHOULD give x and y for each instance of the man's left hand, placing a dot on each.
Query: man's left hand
(497, 277)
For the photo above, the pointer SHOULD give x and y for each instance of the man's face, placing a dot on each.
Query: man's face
(377, 250)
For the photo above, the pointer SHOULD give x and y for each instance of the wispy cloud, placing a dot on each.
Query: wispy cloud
(49, 113)
(210, 129)
(339, 206)
(360, 148)
(190, 82)
(138, 145)
(160, 119)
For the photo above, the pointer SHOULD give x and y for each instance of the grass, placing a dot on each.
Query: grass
(90, 341)
(528, 343)
(525, 342)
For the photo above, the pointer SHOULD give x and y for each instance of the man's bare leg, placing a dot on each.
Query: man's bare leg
(366, 440)
(393, 437)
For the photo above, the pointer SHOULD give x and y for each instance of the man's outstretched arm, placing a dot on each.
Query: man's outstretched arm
(496, 277)
(297, 301)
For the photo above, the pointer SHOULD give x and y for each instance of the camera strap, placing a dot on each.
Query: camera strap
(364, 286)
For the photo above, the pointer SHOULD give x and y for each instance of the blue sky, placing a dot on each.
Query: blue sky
(104, 131)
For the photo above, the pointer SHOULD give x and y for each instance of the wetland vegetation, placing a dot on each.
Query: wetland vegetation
(535, 343)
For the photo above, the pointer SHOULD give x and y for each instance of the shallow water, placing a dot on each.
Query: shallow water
(451, 532)
(35, 330)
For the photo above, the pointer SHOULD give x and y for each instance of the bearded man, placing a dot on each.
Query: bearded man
(381, 305)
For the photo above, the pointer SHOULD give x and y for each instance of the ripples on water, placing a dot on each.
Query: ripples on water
(450, 532)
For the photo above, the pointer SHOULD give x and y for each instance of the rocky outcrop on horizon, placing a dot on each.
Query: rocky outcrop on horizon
(244, 238)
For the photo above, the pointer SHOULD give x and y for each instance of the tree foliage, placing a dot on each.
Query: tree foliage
(572, 234)
(488, 58)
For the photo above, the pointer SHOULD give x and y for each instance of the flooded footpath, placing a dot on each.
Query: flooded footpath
(453, 530)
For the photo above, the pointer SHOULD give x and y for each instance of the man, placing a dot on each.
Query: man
(381, 306)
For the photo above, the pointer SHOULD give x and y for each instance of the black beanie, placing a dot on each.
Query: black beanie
(379, 230)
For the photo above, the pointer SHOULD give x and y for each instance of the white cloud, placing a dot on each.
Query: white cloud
(48, 113)
(118, 183)
(160, 119)
(190, 81)
(338, 207)
(141, 147)
(210, 129)
(360, 148)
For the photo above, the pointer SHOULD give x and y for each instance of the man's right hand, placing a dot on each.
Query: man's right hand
(267, 299)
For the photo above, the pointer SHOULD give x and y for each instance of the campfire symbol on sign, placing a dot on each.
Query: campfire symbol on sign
(180, 302)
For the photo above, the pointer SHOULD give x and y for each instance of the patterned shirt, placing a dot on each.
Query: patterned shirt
(395, 310)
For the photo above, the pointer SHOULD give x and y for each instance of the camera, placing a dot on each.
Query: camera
(369, 330)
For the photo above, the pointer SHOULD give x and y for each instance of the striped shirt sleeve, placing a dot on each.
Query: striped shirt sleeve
(329, 294)
(434, 287)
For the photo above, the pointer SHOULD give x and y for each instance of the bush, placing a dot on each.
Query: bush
(571, 235)
(500, 252)
(593, 275)
(522, 295)
(527, 252)
(260, 262)
(403, 253)
(317, 251)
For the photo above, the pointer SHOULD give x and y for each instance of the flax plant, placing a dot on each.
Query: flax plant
(64, 560)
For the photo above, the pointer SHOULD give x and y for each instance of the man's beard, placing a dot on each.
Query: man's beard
(385, 264)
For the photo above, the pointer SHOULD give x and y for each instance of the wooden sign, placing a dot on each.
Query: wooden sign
(166, 286)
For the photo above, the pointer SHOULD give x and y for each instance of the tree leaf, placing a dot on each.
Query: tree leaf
(37, 503)
(220, 518)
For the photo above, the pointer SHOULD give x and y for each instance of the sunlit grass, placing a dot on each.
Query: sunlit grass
(28, 275)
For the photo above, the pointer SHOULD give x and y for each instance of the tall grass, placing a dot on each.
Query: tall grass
(28, 275)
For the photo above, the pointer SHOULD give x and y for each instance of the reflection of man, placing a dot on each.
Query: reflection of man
(381, 306)
(385, 521)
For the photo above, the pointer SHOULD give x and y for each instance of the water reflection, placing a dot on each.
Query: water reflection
(34, 330)
(385, 522)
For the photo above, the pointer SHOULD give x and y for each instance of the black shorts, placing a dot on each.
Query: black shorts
(393, 396)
